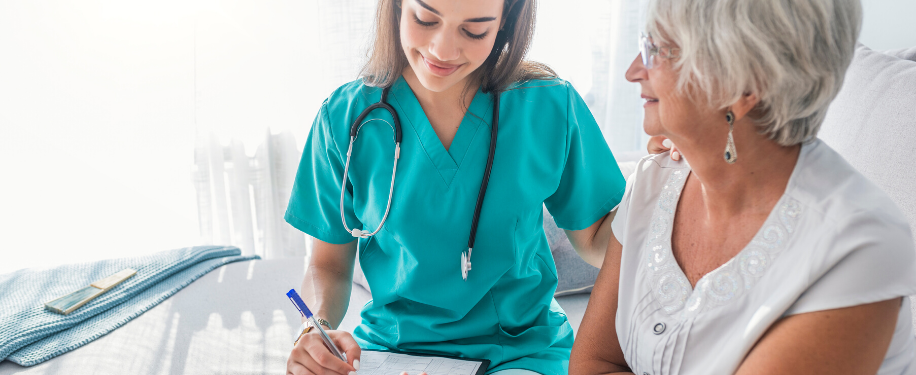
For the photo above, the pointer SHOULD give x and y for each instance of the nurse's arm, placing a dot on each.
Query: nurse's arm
(591, 243)
(326, 288)
(328, 280)
(597, 349)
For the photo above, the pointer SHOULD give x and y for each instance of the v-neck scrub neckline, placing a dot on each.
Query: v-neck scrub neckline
(447, 161)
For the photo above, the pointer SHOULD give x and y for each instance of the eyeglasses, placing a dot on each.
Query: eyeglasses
(649, 50)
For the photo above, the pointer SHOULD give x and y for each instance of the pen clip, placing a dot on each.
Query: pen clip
(294, 298)
(297, 307)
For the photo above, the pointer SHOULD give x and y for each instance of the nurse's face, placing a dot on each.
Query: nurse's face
(446, 40)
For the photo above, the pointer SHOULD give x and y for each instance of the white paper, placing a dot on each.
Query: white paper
(384, 363)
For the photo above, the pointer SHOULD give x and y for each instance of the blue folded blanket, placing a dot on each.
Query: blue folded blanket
(29, 334)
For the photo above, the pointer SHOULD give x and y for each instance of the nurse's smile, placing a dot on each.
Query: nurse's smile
(439, 68)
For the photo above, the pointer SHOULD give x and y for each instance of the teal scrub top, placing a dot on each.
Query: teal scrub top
(549, 151)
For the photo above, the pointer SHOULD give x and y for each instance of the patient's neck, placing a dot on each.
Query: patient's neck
(753, 184)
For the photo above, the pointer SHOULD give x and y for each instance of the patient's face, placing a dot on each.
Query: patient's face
(669, 112)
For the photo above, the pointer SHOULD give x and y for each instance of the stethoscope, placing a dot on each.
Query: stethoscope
(354, 131)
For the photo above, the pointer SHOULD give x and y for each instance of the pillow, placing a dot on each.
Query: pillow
(574, 275)
(904, 53)
(872, 123)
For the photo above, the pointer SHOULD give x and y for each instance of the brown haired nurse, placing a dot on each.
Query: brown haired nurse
(485, 139)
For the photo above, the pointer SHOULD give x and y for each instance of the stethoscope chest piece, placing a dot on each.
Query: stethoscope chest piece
(465, 264)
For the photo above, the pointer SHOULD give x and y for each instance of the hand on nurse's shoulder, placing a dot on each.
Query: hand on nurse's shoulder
(659, 144)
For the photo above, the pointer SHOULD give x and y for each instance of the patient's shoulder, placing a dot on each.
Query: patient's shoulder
(656, 177)
(656, 172)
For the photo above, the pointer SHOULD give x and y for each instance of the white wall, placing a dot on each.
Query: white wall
(888, 24)
(96, 106)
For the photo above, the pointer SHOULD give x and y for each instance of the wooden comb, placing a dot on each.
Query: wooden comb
(68, 303)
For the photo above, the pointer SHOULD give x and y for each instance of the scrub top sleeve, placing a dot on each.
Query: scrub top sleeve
(314, 205)
(591, 183)
(868, 260)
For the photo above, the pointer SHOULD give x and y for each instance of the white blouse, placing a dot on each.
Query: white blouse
(833, 240)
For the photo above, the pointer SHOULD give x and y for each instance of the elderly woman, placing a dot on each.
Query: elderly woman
(767, 253)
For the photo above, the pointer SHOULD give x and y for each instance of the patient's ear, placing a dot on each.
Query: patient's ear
(745, 104)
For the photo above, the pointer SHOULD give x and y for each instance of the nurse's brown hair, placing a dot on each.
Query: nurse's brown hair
(505, 65)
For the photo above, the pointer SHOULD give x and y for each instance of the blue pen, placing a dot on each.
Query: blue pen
(294, 297)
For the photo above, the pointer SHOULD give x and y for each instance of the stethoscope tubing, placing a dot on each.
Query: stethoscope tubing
(354, 131)
(357, 232)
(486, 175)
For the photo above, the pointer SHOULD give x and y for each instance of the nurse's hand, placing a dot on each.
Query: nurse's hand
(311, 357)
(659, 144)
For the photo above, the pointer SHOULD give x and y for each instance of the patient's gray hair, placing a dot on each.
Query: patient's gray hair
(792, 53)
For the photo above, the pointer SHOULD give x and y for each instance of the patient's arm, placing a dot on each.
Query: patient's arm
(597, 350)
(851, 340)
(328, 280)
(591, 243)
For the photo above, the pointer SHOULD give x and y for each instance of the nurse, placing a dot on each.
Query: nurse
(443, 64)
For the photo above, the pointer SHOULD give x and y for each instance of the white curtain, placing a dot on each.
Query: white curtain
(243, 180)
(590, 43)
(241, 199)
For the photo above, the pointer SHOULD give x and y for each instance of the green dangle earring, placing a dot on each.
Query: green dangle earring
(731, 154)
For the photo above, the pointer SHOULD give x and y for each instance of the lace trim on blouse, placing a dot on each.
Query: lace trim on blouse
(670, 286)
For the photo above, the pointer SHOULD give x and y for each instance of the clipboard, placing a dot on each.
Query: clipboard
(442, 364)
